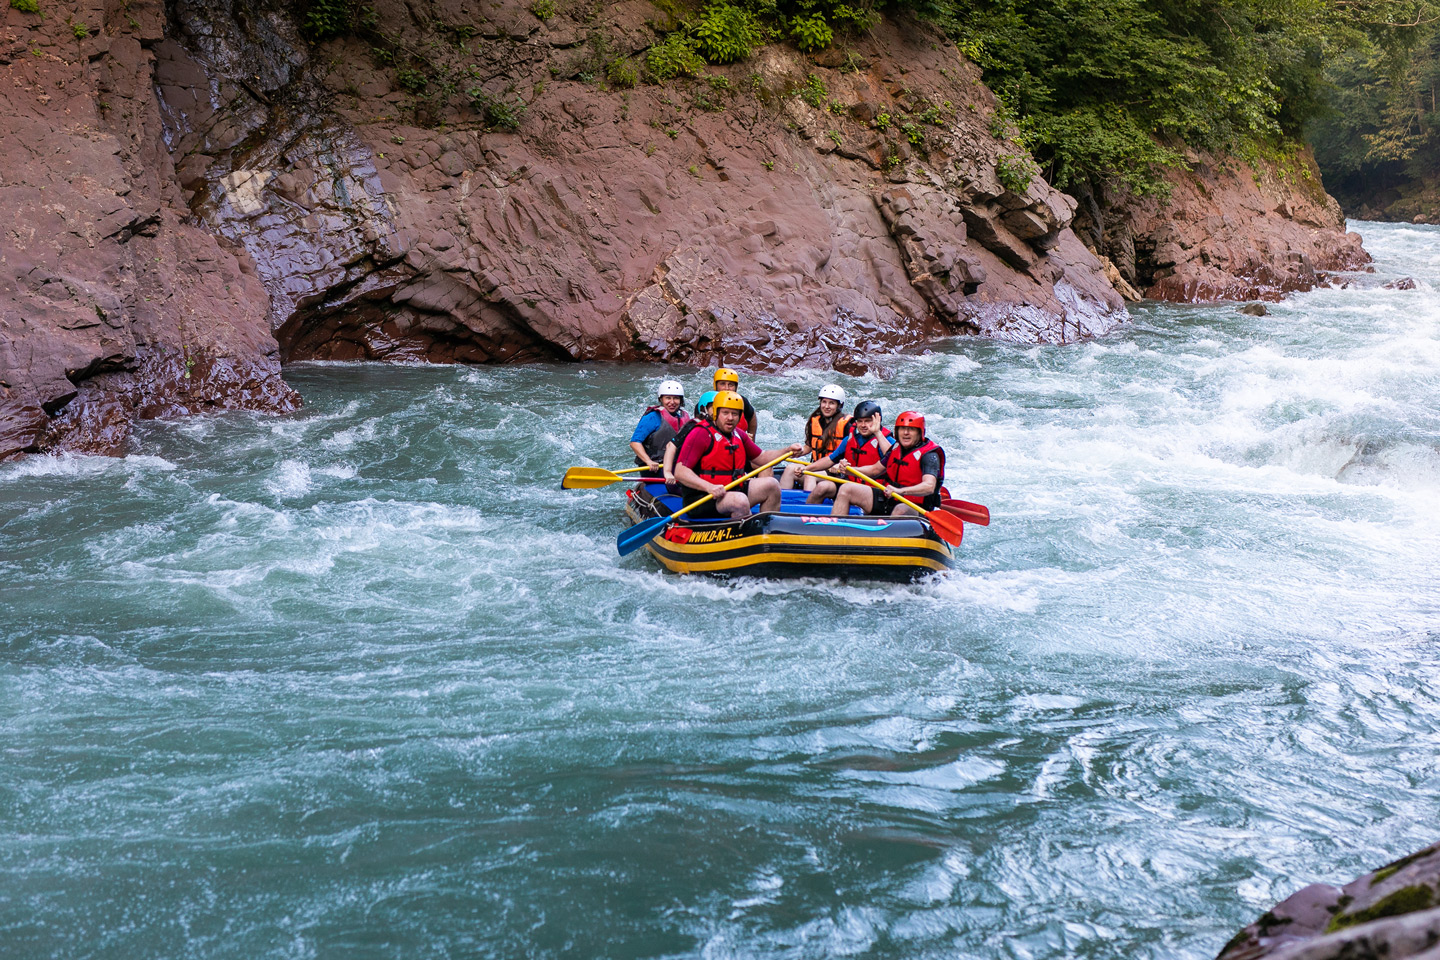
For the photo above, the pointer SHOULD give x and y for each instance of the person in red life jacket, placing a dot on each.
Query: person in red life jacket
(727, 379)
(703, 417)
(823, 434)
(713, 456)
(914, 468)
(659, 425)
(866, 443)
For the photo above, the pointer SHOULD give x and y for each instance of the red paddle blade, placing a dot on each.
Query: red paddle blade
(949, 529)
(970, 512)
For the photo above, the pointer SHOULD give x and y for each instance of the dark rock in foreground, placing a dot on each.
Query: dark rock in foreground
(1391, 914)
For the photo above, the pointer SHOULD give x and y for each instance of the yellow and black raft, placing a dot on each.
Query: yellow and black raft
(802, 540)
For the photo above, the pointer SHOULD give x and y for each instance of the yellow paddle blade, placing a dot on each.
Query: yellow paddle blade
(588, 478)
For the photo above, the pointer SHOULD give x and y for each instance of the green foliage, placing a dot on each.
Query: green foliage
(622, 73)
(497, 112)
(543, 9)
(1096, 88)
(814, 92)
(882, 122)
(1379, 137)
(26, 6)
(674, 57)
(412, 80)
(80, 30)
(835, 137)
(1015, 172)
(726, 33)
(913, 134)
(329, 18)
(811, 32)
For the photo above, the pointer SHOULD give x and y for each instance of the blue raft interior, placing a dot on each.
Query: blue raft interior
(791, 501)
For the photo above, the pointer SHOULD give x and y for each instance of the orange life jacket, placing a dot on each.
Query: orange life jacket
(822, 439)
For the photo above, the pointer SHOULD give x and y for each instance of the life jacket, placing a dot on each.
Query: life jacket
(863, 452)
(823, 438)
(902, 469)
(723, 460)
(670, 425)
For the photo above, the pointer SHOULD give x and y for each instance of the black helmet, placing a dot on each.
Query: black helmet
(866, 409)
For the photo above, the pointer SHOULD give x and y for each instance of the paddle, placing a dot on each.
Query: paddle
(635, 537)
(588, 478)
(973, 512)
(950, 530)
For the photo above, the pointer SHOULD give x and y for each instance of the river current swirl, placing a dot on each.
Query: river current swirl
(362, 682)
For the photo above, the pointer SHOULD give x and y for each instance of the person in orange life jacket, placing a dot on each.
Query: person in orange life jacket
(867, 442)
(727, 379)
(703, 417)
(659, 425)
(913, 468)
(712, 456)
(824, 432)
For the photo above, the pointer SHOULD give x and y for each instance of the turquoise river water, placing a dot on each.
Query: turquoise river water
(362, 682)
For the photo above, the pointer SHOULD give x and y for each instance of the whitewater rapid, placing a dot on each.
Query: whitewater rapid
(363, 682)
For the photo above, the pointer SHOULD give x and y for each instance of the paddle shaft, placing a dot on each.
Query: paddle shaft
(732, 485)
(880, 486)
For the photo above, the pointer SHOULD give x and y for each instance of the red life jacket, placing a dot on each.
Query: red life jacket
(902, 469)
(862, 452)
(823, 439)
(723, 460)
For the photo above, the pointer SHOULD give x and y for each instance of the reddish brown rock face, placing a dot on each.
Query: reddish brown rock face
(102, 283)
(1229, 231)
(194, 189)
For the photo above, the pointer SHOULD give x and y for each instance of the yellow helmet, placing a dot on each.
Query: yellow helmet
(726, 374)
(728, 400)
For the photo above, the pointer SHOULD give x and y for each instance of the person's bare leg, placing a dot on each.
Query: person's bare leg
(861, 496)
(824, 490)
(766, 492)
(734, 504)
(902, 511)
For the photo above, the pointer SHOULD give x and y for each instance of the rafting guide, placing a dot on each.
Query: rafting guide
(849, 499)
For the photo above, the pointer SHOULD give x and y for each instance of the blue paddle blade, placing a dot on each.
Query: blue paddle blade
(633, 538)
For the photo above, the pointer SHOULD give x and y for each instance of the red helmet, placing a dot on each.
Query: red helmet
(911, 419)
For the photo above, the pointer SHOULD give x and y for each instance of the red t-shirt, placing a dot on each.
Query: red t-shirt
(699, 441)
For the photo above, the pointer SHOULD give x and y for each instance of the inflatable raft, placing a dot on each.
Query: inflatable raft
(801, 541)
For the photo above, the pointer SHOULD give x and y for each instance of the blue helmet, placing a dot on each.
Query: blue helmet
(706, 398)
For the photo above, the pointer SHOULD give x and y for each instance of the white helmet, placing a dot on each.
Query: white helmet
(672, 388)
(832, 392)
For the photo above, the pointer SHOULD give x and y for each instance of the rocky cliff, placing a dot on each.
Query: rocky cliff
(1228, 230)
(1390, 914)
(195, 192)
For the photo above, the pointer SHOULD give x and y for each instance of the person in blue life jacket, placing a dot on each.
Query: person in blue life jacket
(864, 444)
(913, 468)
(659, 425)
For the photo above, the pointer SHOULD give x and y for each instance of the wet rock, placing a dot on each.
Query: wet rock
(1232, 233)
(1405, 283)
(1390, 914)
(102, 267)
(1254, 309)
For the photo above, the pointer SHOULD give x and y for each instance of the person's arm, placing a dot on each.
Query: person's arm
(648, 424)
(669, 465)
(641, 455)
(686, 461)
(758, 457)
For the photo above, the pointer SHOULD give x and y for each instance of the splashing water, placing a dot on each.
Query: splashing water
(362, 682)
